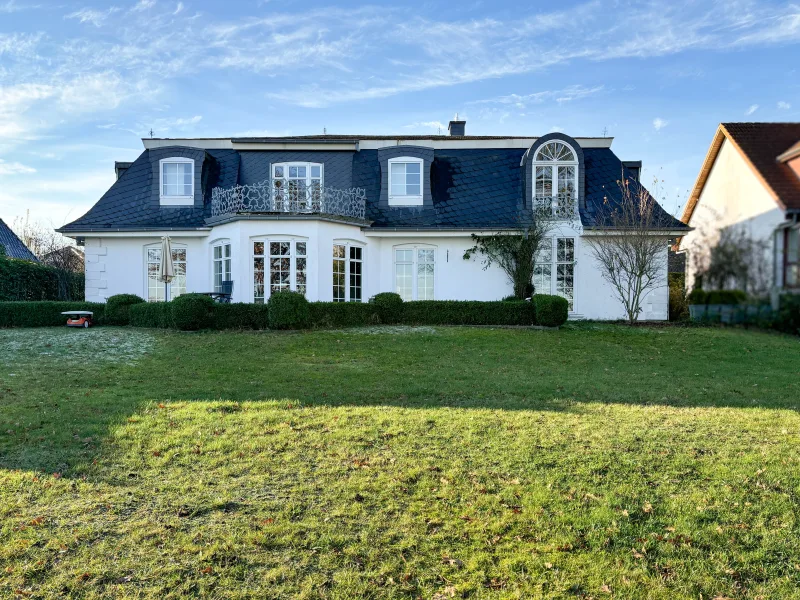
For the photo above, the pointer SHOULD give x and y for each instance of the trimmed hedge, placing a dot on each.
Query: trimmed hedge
(45, 313)
(551, 311)
(151, 314)
(191, 312)
(288, 310)
(241, 315)
(23, 280)
(698, 296)
(389, 307)
(468, 312)
(343, 314)
(118, 307)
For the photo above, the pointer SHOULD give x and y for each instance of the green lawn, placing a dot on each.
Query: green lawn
(598, 461)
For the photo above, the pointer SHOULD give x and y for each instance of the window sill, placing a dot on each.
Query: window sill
(177, 200)
(405, 200)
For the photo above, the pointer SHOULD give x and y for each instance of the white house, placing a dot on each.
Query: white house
(343, 217)
(749, 182)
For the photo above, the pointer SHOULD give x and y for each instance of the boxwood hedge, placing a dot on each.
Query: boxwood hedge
(468, 312)
(44, 313)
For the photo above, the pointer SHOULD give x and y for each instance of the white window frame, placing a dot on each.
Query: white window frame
(169, 286)
(177, 200)
(292, 256)
(555, 164)
(415, 268)
(348, 263)
(307, 165)
(551, 244)
(229, 259)
(406, 199)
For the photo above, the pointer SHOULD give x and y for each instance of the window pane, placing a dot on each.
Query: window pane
(217, 275)
(227, 270)
(316, 171)
(292, 171)
(301, 172)
(566, 250)
(178, 254)
(566, 180)
(412, 179)
(279, 171)
(355, 253)
(258, 280)
(412, 168)
(258, 248)
(565, 282)
(338, 251)
(227, 250)
(338, 273)
(404, 255)
(398, 189)
(217, 252)
(398, 170)
(413, 190)
(544, 181)
(403, 280)
(301, 248)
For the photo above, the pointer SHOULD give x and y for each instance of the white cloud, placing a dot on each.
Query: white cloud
(95, 17)
(14, 168)
(436, 126)
(659, 123)
(178, 8)
(144, 5)
(568, 94)
(784, 105)
(753, 108)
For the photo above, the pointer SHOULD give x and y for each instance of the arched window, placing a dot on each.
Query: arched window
(556, 168)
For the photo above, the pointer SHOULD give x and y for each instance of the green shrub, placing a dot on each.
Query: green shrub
(467, 312)
(698, 296)
(678, 305)
(241, 315)
(151, 314)
(118, 307)
(44, 313)
(389, 307)
(191, 312)
(551, 311)
(288, 310)
(511, 298)
(726, 297)
(342, 314)
(787, 318)
(29, 281)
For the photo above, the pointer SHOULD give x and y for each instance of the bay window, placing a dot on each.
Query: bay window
(415, 270)
(221, 264)
(347, 272)
(278, 265)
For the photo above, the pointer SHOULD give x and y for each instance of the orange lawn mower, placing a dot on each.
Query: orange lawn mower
(79, 318)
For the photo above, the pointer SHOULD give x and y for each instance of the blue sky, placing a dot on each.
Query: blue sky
(82, 82)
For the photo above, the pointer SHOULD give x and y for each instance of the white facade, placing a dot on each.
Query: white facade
(732, 196)
(117, 263)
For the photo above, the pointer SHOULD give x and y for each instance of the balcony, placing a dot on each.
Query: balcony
(562, 207)
(291, 197)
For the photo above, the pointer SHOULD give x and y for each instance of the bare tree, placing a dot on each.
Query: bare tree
(516, 249)
(630, 251)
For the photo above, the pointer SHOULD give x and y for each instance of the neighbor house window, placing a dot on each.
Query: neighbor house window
(278, 266)
(299, 183)
(177, 181)
(565, 270)
(222, 264)
(415, 270)
(543, 269)
(556, 170)
(156, 290)
(347, 272)
(791, 263)
(405, 181)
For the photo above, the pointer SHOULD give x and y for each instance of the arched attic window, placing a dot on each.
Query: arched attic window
(556, 168)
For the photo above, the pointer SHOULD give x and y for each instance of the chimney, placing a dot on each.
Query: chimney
(121, 167)
(457, 127)
(634, 166)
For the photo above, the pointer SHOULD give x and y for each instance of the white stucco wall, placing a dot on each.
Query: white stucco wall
(732, 196)
(117, 264)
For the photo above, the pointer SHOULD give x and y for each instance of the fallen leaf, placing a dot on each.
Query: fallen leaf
(207, 570)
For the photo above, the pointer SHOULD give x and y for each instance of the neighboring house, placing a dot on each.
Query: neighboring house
(749, 183)
(13, 246)
(68, 258)
(343, 217)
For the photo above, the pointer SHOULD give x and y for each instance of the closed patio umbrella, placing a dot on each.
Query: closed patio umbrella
(167, 271)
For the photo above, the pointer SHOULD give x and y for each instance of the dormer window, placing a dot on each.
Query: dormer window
(405, 181)
(556, 169)
(297, 183)
(177, 181)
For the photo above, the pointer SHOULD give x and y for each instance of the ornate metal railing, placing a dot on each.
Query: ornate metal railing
(290, 197)
(561, 206)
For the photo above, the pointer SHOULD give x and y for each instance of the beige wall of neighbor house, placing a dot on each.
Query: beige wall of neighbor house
(733, 196)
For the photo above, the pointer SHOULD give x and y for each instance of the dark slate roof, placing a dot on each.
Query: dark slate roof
(13, 245)
(470, 188)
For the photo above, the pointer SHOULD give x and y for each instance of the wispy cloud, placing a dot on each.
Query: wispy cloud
(783, 105)
(751, 109)
(95, 17)
(14, 168)
(659, 123)
(568, 94)
(437, 126)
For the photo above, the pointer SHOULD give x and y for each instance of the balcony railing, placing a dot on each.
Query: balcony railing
(561, 206)
(288, 197)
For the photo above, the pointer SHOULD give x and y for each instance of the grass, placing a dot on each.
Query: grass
(598, 461)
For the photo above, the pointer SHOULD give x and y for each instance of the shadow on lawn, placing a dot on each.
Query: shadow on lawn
(56, 413)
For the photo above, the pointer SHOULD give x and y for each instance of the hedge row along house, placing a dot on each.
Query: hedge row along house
(745, 205)
(343, 217)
